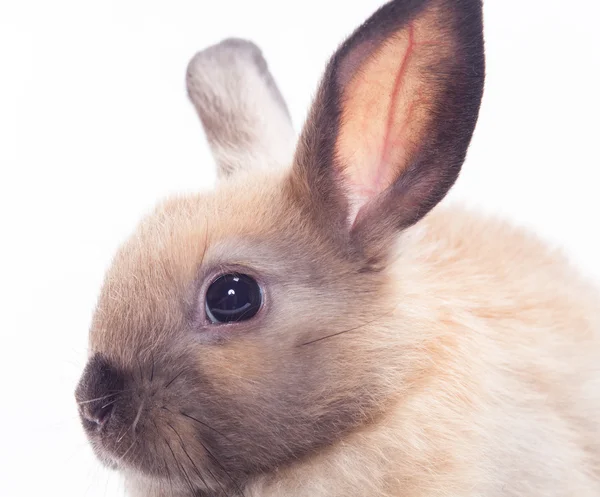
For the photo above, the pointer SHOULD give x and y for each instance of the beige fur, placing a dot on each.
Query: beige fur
(398, 353)
(509, 405)
(501, 340)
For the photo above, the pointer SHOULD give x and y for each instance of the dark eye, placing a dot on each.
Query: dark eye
(233, 297)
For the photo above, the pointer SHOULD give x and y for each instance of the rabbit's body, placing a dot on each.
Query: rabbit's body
(507, 402)
(317, 328)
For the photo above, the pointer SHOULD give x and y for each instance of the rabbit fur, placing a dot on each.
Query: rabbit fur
(403, 348)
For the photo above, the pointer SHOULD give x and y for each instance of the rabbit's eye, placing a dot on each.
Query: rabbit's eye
(233, 297)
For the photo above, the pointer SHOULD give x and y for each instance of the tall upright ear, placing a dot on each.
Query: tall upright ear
(245, 118)
(392, 120)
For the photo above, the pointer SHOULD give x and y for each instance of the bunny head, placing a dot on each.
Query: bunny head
(248, 328)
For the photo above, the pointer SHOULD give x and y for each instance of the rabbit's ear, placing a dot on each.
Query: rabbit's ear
(391, 123)
(245, 118)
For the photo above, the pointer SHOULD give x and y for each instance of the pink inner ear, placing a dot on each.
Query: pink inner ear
(384, 112)
(392, 147)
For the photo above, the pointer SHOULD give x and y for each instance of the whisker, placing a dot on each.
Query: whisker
(109, 404)
(127, 451)
(189, 458)
(346, 331)
(161, 482)
(170, 382)
(120, 437)
(88, 401)
(218, 482)
(222, 467)
(200, 422)
(209, 452)
(152, 371)
(165, 459)
(187, 478)
(125, 432)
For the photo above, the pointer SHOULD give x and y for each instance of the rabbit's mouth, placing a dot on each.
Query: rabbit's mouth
(173, 422)
(135, 422)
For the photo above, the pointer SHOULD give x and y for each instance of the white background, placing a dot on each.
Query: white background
(95, 126)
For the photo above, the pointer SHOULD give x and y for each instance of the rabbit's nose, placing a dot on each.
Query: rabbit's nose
(98, 392)
(97, 413)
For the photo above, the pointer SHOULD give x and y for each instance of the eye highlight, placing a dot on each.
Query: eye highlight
(233, 298)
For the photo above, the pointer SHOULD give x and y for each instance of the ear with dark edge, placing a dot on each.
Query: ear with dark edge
(392, 120)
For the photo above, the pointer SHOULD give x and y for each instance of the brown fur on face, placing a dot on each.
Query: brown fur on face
(399, 352)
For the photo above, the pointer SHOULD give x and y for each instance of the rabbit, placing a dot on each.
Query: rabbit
(319, 325)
